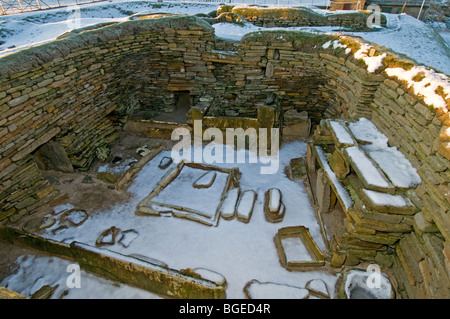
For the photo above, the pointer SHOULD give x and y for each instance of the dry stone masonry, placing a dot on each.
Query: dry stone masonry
(63, 103)
(293, 17)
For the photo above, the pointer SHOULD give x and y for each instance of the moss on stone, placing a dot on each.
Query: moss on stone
(224, 8)
(418, 77)
(157, 15)
(286, 13)
(212, 14)
(299, 39)
(395, 61)
(9, 294)
(230, 17)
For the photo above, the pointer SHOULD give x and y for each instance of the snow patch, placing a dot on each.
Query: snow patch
(342, 135)
(269, 290)
(383, 199)
(368, 170)
(431, 80)
(336, 44)
(372, 62)
(295, 249)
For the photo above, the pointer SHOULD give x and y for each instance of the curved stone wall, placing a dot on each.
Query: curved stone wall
(263, 16)
(68, 91)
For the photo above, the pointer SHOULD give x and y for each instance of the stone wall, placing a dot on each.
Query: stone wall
(294, 17)
(422, 257)
(293, 67)
(68, 90)
(65, 90)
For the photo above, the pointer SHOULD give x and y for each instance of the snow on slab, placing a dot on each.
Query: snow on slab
(396, 167)
(383, 199)
(341, 191)
(341, 133)
(245, 206)
(180, 192)
(389, 159)
(365, 131)
(211, 276)
(270, 290)
(365, 168)
(228, 208)
(275, 199)
(206, 180)
(295, 249)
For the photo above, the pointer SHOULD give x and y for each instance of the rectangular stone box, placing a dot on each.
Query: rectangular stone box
(296, 249)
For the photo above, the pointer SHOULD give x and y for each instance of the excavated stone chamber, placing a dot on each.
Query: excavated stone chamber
(62, 105)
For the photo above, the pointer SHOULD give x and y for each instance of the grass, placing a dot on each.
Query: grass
(305, 41)
(394, 61)
(4, 33)
(249, 12)
(418, 77)
(158, 15)
(230, 17)
(224, 8)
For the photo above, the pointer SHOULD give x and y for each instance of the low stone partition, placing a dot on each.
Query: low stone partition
(263, 16)
(129, 270)
(138, 273)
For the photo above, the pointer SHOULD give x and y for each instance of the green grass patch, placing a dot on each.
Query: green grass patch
(418, 77)
(394, 61)
(305, 41)
(249, 12)
(224, 8)
(230, 17)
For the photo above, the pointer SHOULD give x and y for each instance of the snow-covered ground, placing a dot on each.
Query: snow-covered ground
(23, 30)
(445, 34)
(37, 271)
(13, 7)
(239, 251)
(404, 34)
